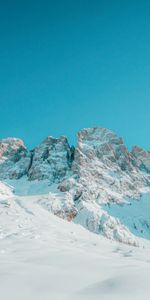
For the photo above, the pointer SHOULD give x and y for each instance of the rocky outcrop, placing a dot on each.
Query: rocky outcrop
(51, 160)
(104, 167)
(103, 171)
(14, 158)
(141, 158)
(61, 205)
(105, 145)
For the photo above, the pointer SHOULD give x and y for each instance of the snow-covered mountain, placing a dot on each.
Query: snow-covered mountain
(99, 184)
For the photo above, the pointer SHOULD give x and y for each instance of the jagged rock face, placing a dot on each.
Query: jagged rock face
(142, 158)
(106, 146)
(51, 160)
(14, 158)
(105, 168)
(103, 171)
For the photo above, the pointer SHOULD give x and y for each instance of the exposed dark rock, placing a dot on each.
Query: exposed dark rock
(14, 158)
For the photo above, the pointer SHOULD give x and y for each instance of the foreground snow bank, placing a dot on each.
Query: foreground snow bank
(5, 191)
(50, 258)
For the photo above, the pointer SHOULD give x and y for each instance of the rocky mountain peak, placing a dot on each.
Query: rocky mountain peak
(14, 158)
(51, 159)
(52, 140)
(99, 134)
(142, 158)
(10, 146)
(106, 146)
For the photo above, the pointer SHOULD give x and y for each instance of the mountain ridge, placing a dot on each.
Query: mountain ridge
(98, 172)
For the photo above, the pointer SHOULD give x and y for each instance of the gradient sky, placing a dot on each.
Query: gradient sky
(66, 65)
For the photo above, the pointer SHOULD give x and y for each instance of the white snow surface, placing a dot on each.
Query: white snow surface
(134, 213)
(44, 257)
(5, 191)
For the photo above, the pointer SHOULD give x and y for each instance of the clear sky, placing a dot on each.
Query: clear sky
(70, 64)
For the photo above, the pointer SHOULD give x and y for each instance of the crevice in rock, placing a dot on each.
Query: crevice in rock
(70, 156)
(31, 160)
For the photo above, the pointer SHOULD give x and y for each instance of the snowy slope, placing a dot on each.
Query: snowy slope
(5, 191)
(44, 257)
(89, 214)
(135, 214)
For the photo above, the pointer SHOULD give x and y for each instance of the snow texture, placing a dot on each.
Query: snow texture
(45, 257)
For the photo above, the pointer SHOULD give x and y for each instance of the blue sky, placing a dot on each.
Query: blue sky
(66, 65)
